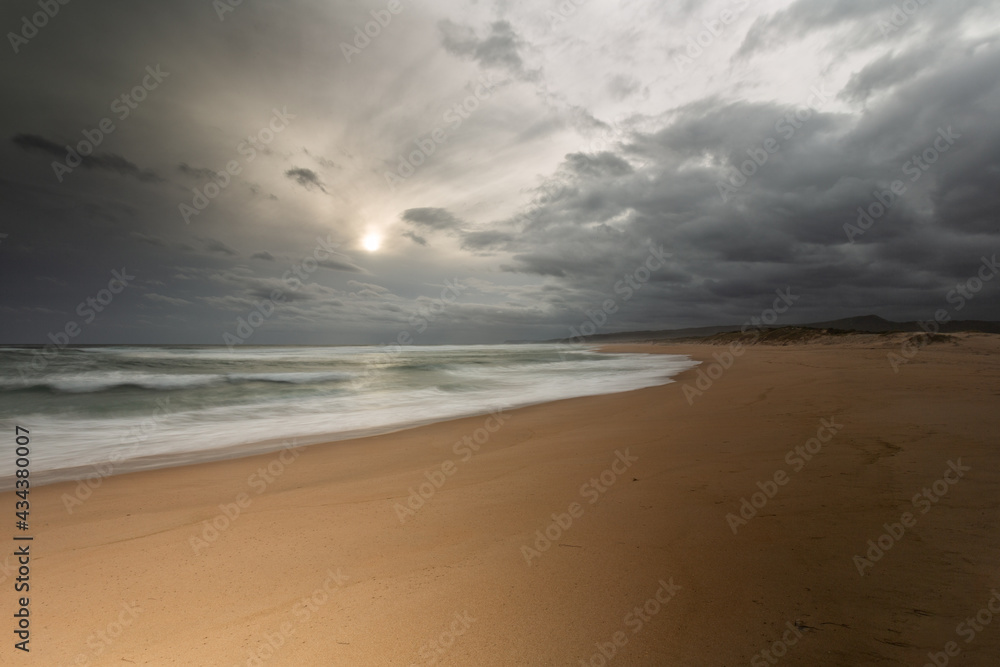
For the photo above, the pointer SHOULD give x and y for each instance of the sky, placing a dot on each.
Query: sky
(315, 172)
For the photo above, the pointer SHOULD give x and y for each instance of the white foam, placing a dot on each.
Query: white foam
(364, 409)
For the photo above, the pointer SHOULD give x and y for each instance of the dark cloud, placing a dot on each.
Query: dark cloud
(603, 164)
(307, 178)
(622, 86)
(500, 48)
(103, 161)
(432, 218)
(786, 224)
(367, 290)
(169, 300)
(803, 17)
(337, 265)
(865, 22)
(196, 173)
(151, 240)
(486, 239)
(214, 245)
(416, 238)
(323, 161)
(592, 156)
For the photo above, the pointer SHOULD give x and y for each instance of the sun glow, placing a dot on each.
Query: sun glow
(371, 242)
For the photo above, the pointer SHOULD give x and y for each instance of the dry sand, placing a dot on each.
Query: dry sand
(399, 586)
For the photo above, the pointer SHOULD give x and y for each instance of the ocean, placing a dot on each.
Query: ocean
(144, 407)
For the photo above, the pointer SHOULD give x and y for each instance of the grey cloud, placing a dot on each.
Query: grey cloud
(486, 239)
(785, 226)
(214, 245)
(545, 198)
(864, 23)
(169, 300)
(604, 164)
(243, 287)
(307, 178)
(150, 240)
(101, 161)
(499, 49)
(432, 218)
(622, 86)
(803, 17)
(369, 291)
(322, 161)
(888, 71)
(416, 238)
(196, 173)
(337, 265)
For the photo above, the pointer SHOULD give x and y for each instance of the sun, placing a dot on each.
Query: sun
(372, 242)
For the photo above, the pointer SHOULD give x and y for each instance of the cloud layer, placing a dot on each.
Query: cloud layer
(845, 150)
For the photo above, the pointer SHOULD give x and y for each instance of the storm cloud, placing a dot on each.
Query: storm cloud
(847, 151)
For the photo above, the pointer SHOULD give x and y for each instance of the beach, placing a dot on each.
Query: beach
(703, 522)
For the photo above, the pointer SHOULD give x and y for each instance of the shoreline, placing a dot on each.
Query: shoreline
(181, 544)
(125, 466)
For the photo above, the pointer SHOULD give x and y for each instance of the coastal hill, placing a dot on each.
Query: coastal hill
(868, 324)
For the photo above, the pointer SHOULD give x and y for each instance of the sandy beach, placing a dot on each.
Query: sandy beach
(586, 531)
(487, 333)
